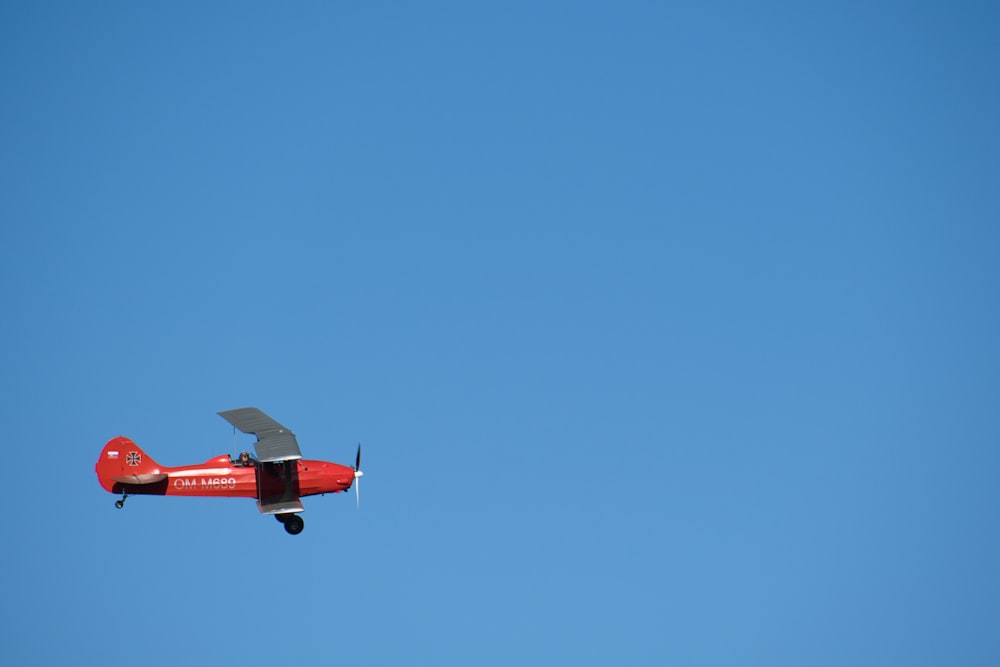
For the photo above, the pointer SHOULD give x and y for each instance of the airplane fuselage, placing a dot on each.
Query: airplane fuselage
(220, 477)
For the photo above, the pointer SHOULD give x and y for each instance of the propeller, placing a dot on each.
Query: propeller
(357, 476)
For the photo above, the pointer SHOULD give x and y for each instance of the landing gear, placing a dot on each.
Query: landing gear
(293, 524)
(121, 503)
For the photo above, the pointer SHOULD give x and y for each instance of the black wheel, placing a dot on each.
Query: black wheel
(281, 517)
(119, 504)
(294, 524)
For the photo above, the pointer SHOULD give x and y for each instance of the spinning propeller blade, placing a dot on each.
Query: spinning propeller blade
(357, 476)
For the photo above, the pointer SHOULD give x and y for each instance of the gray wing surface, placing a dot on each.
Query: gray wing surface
(280, 506)
(274, 441)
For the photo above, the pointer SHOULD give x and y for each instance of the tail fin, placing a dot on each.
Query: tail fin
(123, 462)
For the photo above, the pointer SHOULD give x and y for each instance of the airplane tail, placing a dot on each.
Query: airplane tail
(123, 462)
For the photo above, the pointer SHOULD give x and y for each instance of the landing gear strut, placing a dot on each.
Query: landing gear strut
(121, 503)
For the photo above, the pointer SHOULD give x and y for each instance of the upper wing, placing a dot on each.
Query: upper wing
(274, 441)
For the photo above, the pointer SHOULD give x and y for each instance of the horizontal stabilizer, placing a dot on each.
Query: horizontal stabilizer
(151, 478)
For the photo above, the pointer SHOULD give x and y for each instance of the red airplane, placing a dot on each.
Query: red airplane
(277, 478)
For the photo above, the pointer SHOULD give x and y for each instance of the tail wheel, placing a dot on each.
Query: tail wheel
(294, 524)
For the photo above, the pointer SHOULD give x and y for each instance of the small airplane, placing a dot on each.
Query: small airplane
(277, 477)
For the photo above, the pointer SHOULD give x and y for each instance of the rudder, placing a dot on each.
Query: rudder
(121, 460)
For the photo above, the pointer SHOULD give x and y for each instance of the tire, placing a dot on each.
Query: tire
(294, 524)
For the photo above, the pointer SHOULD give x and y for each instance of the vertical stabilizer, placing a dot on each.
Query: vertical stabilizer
(123, 462)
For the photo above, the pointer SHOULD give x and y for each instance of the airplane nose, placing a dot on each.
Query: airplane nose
(344, 476)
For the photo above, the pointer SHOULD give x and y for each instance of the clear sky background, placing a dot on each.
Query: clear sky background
(670, 330)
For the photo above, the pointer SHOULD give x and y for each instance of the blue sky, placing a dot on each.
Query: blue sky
(669, 329)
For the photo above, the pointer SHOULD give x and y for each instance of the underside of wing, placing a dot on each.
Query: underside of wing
(280, 506)
(274, 441)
